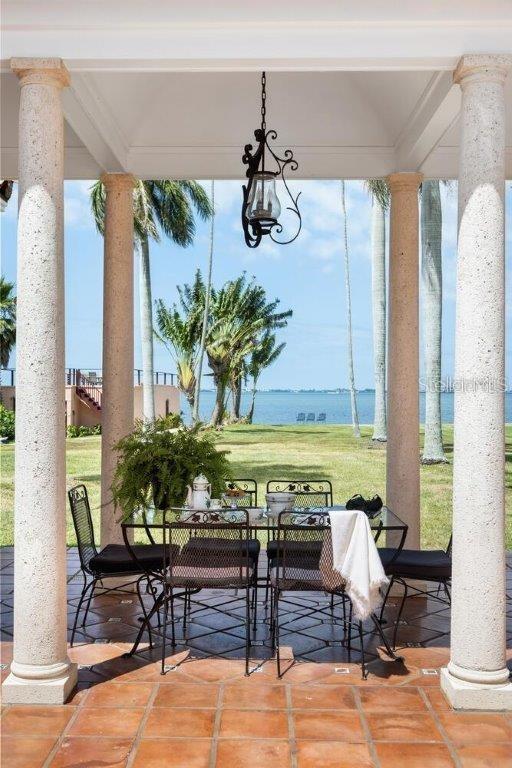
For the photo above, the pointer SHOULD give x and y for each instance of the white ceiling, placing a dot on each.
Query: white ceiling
(172, 90)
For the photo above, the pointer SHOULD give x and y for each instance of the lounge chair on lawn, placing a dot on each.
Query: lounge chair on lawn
(321, 417)
(301, 417)
(311, 417)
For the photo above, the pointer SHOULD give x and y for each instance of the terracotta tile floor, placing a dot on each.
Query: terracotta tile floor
(204, 713)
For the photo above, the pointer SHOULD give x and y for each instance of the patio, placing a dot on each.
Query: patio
(204, 712)
(423, 98)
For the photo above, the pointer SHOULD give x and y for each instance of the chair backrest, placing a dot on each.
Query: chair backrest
(311, 416)
(241, 493)
(82, 520)
(301, 417)
(308, 493)
(321, 417)
(301, 553)
(208, 547)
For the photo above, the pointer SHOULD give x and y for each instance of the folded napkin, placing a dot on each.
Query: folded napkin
(350, 558)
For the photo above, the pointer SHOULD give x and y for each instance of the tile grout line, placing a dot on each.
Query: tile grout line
(440, 726)
(62, 736)
(292, 740)
(366, 728)
(216, 726)
(138, 736)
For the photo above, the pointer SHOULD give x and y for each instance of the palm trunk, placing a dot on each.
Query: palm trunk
(432, 283)
(195, 409)
(353, 400)
(146, 332)
(379, 318)
(218, 409)
(250, 414)
(236, 394)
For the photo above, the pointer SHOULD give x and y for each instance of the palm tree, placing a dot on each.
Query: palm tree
(379, 191)
(432, 283)
(240, 315)
(7, 321)
(202, 344)
(164, 206)
(262, 356)
(353, 400)
(179, 335)
(6, 186)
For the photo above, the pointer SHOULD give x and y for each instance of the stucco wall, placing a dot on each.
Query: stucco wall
(167, 400)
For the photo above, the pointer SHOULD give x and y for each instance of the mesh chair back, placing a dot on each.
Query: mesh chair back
(241, 493)
(304, 551)
(209, 549)
(308, 493)
(82, 520)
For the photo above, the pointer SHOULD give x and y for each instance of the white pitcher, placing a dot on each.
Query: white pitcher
(198, 496)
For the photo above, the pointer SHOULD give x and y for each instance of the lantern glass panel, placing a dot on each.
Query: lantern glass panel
(263, 203)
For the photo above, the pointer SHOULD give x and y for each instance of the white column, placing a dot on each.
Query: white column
(477, 676)
(403, 458)
(41, 671)
(117, 396)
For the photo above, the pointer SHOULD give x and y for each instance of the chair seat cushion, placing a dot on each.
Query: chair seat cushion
(217, 544)
(417, 564)
(309, 550)
(115, 558)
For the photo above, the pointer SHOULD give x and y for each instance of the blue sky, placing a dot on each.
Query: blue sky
(307, 276)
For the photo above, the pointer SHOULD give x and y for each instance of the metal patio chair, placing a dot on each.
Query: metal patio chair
(321, 417)
(310, 416)
(250, 493)
(114, 560)
(301, 416)
(308, 494)
(421, 565)
(304, 563)
(208, 552)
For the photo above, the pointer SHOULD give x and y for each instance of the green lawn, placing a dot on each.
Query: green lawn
(267, 452)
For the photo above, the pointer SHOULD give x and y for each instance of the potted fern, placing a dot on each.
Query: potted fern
(157, 462)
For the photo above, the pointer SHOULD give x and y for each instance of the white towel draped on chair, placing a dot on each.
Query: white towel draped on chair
(354, 562)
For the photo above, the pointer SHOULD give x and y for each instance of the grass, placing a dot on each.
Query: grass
(265, 452)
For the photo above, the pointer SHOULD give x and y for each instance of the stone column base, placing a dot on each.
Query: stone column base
(481, 696)
(17, 690)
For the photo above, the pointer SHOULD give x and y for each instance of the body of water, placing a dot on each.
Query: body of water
(283, 407)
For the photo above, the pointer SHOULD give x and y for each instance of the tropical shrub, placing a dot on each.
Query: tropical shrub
(157, 462)
(75, 431)
(6, 423)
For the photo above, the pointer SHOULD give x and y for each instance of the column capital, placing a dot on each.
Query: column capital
(401, 182)
(482, 67)
(50, 71)
(114, 181)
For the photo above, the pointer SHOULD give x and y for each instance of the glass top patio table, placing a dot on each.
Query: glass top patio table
(148, 518)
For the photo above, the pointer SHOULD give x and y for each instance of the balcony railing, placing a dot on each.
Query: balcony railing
(93, 376)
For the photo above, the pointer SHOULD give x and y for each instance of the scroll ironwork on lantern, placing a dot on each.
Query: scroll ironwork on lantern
(261, 207)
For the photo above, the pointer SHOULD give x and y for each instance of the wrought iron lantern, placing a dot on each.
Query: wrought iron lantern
(261, 207)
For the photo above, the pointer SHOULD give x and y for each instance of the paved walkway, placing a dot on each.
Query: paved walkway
(205, 713)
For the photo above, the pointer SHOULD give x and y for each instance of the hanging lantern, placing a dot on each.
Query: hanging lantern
(261, 207)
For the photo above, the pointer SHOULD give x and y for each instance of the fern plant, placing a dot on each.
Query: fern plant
(157, 462)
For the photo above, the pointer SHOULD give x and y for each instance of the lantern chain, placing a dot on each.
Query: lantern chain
(263, 100)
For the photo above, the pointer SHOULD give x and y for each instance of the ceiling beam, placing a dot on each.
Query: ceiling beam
(93, 123)
(436, 111)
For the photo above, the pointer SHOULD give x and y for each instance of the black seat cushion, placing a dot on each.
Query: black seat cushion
(417, 564)
(212, 544)
(309, 550)
(115, 558)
